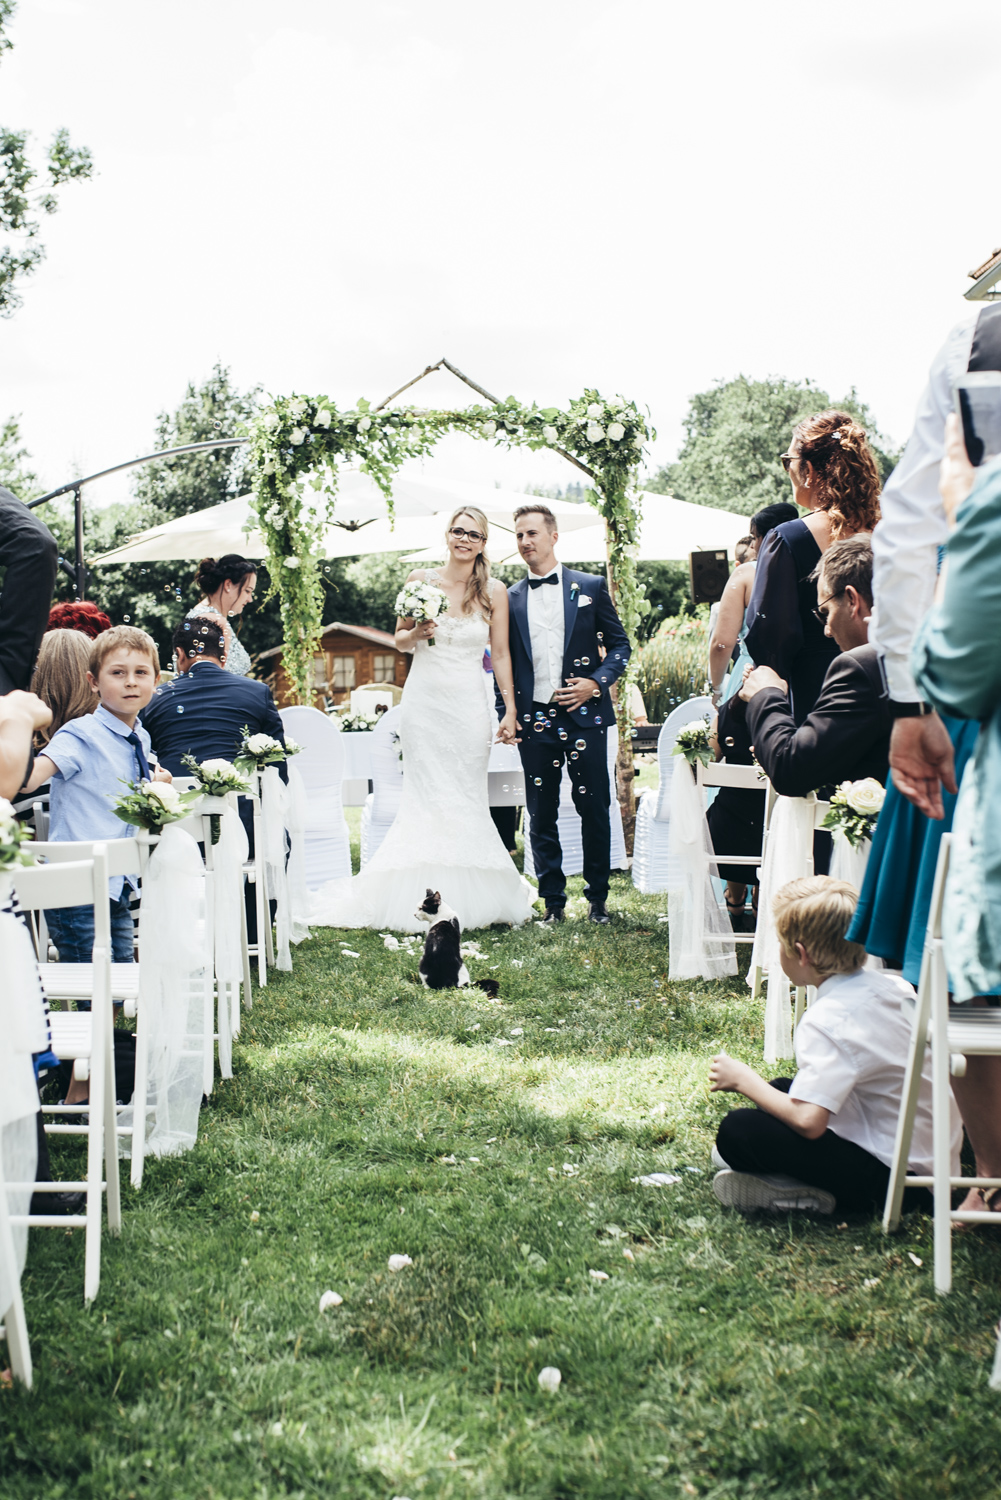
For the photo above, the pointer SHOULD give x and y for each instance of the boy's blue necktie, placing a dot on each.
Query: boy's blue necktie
(144, 771)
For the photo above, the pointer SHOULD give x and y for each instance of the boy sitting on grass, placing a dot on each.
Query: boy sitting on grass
(824, 1139)
(89, 761)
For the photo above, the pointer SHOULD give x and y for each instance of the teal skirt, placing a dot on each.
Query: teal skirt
(892, 913)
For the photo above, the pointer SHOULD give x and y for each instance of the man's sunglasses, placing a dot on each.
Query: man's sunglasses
(820, 613)
(460, 534)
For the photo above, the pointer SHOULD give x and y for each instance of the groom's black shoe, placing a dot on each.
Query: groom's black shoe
(598, 913)
(553, 914)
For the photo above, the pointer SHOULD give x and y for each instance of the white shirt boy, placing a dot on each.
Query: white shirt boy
(851, 1053)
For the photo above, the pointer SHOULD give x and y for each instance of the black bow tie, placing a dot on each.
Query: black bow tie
(536, 583)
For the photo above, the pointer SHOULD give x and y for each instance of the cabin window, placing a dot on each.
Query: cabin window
(319, 673)
(344, 674)
(384, 666)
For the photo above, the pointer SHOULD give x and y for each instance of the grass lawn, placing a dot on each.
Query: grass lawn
(496, 1144)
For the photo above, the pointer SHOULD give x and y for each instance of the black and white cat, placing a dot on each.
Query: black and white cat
(441, 966)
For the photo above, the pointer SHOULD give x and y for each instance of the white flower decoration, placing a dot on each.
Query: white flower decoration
(594, 410)
(616, 432)
(297, 407)
(595, 432)
(866, 797)
(291, 562)
(162, 792)
(269, 467)
(297, 436)
(364, 423)
(219, 768)
(322, 418)
(488, 429)
(260, 744)
(550, 434)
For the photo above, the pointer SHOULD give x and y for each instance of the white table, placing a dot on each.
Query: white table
(504, 773)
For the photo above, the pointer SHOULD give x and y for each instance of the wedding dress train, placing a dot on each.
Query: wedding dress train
(443, 835)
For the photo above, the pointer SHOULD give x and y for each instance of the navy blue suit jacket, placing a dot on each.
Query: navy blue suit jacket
(203, 712)
(589, 621)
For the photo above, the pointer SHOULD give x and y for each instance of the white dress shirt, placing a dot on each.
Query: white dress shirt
(545, 626)
(913, 526)
(851, 1052)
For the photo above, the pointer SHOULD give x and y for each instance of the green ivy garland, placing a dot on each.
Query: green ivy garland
(297, 443)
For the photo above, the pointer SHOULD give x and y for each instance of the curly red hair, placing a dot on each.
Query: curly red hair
(83, 616)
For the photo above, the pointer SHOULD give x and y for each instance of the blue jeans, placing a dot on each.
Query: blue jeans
(72, 930)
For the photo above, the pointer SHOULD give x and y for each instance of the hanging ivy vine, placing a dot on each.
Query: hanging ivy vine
(298, 443)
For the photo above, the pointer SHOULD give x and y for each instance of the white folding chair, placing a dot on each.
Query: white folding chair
(383, 802)
(15, 1326)
(953, 1033)
(85, 1038)
(745, 778)
(321, 766)
(255, 870)
(653, 807)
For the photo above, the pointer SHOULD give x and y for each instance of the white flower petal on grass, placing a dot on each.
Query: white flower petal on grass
(399, 1262)
(390, 942)
(448, 1161)
(475, 1160)
(254, 1217)
(502, 1041)
(656, 1179)
(276, 1429)
(569, 1170)
(915, 1258)
(628, 1254)
(549, 1380)
(598, 1275)
(349, 953)
(518, 1031)
(330, 1299)
(517, 963)
(871, 1281)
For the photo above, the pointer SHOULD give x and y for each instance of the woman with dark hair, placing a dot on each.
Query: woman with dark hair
(227, 585)
(834, 476)
(726, 672)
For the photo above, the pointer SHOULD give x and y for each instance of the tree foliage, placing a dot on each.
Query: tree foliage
(27, 190)
(734, 433)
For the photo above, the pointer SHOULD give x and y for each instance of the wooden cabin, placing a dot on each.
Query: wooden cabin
(350, 656)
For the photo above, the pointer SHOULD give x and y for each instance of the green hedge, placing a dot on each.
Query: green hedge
(673, 664)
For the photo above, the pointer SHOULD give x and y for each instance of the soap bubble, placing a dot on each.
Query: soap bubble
(580, 744)
(573, 755)
(585, 661)
(538, 780)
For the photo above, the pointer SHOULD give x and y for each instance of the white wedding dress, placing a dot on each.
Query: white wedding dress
(443, 835)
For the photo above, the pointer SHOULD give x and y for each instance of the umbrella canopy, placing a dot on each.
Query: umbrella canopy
(423, 507)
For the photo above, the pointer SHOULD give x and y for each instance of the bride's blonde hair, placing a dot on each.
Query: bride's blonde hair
(477, 595)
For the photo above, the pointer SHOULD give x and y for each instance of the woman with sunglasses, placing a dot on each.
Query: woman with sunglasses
(443, 837)
(834, 476)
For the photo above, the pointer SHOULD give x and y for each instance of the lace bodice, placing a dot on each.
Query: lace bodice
(464, 637)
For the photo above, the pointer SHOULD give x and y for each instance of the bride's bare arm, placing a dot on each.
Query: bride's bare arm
(407, 633)
(500, 660)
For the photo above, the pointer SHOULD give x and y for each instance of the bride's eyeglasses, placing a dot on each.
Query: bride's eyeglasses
(461, 534)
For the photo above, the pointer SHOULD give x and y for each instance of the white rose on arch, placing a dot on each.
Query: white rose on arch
(271, 419)
(297, 436)
(488, 429)
(594, 410)
(297, 407)
(291, 562)
(595, 432)
(866, 797)
(550, 434)
(616, 432)
(322, 418)
(364, 423)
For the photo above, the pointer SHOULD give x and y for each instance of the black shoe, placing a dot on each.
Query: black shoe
(598, 913)
(57, 1203)
(553, 914)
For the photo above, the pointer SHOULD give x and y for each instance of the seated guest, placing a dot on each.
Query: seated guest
(204, 711)
(846, 735)
(88, 763)
(824, 1140)
(61, 678)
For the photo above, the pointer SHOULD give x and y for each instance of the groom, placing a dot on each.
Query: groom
(560, 620)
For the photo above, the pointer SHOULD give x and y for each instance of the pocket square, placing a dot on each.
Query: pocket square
(583, 599)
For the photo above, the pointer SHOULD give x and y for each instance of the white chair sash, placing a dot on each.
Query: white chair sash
(788, 855)
(172, 977)
(23, 1030)
(273, 811)
(228, 858)
(701, 938)
(847, 862)
(295, 822)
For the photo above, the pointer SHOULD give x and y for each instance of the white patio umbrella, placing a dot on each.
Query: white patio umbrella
(362, 527)
(669, 530)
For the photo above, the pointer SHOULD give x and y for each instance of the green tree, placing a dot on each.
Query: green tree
(27, 190)
(14, 459)
(734, 433)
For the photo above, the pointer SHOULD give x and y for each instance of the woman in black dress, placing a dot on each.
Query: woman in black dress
(834, 476)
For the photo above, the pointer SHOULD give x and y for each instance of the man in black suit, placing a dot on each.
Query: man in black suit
(567, 648)
(847, 735)
(29, 554)
(204, 710)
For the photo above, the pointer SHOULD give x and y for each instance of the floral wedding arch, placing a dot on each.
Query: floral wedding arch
(297, 443)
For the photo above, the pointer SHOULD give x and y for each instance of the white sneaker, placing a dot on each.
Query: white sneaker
(718, 1161)
(770, 1194)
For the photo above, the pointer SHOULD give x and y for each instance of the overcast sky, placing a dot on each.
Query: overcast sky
(643, 197)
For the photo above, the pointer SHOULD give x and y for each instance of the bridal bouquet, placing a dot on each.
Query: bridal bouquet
(854, 809)
(14, 839)
(154, 804)
(259, 750)
(419, 602)
(693, 743)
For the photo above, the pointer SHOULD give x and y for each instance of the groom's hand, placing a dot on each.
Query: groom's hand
(578, 690)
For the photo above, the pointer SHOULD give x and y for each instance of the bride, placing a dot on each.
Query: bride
(443, 836)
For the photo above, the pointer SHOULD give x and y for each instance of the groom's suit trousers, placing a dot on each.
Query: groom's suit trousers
(552, 740)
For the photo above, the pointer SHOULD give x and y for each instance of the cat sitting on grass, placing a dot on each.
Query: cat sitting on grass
(441, 966)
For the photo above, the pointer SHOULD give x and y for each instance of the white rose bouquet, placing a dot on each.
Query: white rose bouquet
(216, 777)
(14, 839)
(693, 743)
(154, 804)
(349, 723)
(854, 809)
(259, 750)
(419, 602)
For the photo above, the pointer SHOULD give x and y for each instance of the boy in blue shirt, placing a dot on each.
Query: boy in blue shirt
(89, 761)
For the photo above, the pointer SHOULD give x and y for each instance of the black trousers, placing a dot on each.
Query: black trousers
(553, 739)
(750, 1140)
